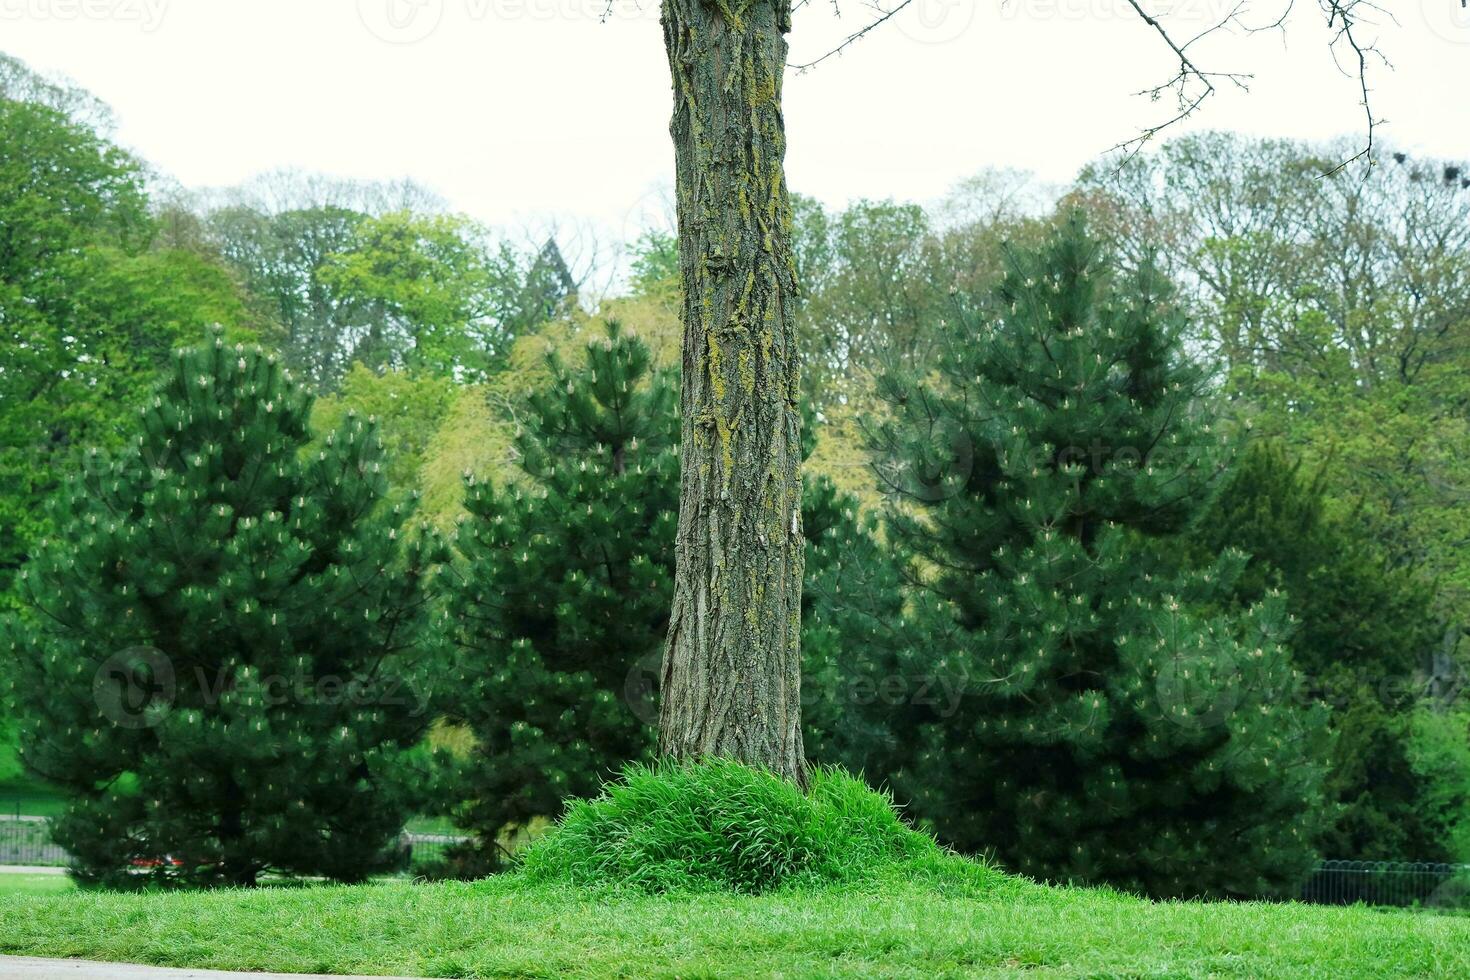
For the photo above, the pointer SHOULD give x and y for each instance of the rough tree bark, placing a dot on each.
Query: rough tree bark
(731, 683)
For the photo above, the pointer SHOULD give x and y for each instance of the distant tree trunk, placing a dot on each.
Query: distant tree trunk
(731, 681)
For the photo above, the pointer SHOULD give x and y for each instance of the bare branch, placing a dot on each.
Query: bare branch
(1343, 14)
(1192, 85)
(883, 16)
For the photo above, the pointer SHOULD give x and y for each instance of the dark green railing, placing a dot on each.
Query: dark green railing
(1389, 883)
(27, 841)
(428, 851)
(1411, 885)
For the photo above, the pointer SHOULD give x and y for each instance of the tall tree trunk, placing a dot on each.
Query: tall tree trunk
(731, 681)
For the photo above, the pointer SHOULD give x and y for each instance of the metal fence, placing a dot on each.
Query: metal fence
(27, 841)
(1389, 883)
(1411, 885)
(428, 850)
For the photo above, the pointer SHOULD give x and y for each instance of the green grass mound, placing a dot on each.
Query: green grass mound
(720, 825)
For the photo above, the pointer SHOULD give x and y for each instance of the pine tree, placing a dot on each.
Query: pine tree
(854, 626)
(216, 660)
(564, 587)
(1115, 726)
(560, 601)
(1365, 631)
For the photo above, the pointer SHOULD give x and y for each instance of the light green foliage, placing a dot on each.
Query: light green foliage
(655, 266)
(407, 407)
(215, 657)
(473, 437)
(879, 282)
(1439, 749)
(280, 257)
(350, 280)
(61, 189)
(438, 296)
(1340, 307)
(879, 278)
(867, 298)
(478, 433)
(719, 825)
(89, 312)
(1397, 463)
(811, 242)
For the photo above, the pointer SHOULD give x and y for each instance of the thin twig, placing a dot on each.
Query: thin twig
(1191, 84)
(856, 36)
(1343, 15)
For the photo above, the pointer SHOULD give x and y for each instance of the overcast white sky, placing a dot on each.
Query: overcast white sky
(513, 109)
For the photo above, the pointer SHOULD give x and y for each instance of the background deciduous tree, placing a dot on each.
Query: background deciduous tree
(89, 309)
(1339, 309)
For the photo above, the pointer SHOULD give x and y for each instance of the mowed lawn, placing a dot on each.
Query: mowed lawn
(934, 919)
(31, 884)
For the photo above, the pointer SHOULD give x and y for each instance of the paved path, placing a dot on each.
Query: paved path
(26, 869)
(29, 968)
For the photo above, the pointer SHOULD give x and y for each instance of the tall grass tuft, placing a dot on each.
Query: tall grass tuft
(720, 825)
